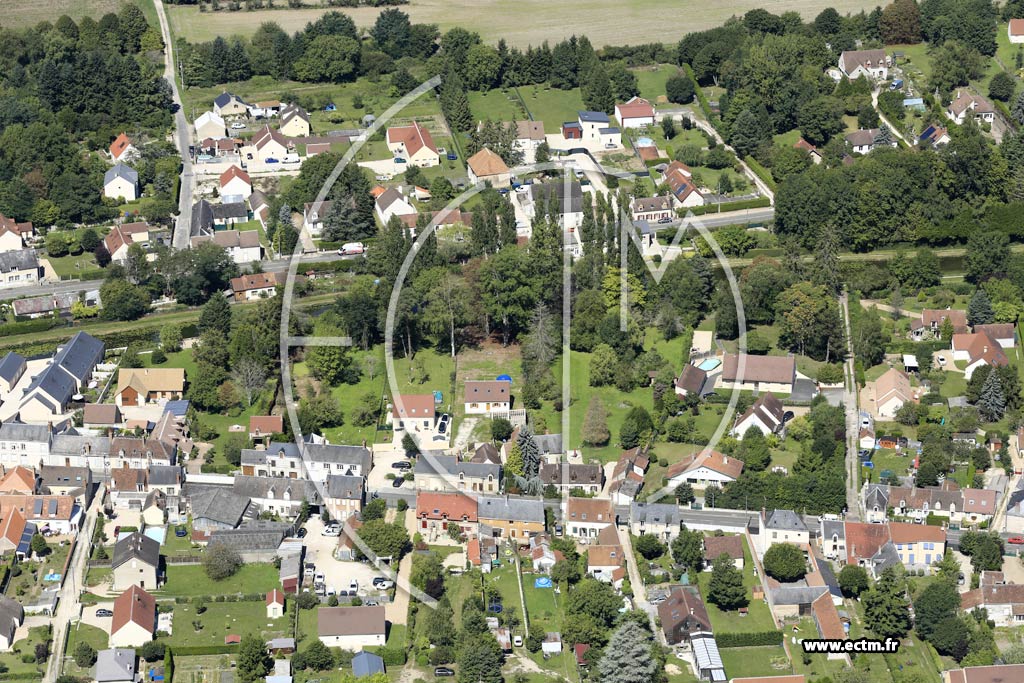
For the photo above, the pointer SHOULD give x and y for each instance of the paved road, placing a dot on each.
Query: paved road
(68, 607)
(182, 138)
(852, 419)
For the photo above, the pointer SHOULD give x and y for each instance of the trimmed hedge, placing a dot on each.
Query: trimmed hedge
(701, 97)
(28, 326)
(763, 173)
(756, 203)
(392, 656)
(748, 639)
(20, 676)
(198, 650)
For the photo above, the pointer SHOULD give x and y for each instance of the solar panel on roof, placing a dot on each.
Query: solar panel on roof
(53, 507)
(37, 507)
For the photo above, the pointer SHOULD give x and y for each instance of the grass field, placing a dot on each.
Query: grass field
(18, 14)
(768, 660)
(759, 617)
(605, 22)
(224, 618)
(192, 580)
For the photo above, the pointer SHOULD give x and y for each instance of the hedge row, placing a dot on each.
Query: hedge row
(392, 656)
(763, 173)
(748, 639)
(233, 597)
(112, 340)
(756, 203)
(701, 97)
(198, 650)
(924, 349)
(28, 326)
(19, 676)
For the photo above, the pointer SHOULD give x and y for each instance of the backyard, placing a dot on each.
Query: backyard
(221, 619)
(191, 580)
(759, 616)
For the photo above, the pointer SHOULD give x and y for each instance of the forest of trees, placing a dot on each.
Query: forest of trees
(65, 84)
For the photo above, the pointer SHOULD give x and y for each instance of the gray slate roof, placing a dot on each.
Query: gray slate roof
(274, 487)
(250, 538)
(120, 170)
(76, 444)
(593, 116)
(202, 218)
(218, 504)
(366, 664)
(833, 527)
(12, 365)
(346, 488)
(655, 513)
(115, 665)
(785, 520)
(797, 595)
(338, 455)
(447, 465)
(16, 431)
(555, 191)
(164, 475)
(136, 546)
(23, 259)
(516, 508)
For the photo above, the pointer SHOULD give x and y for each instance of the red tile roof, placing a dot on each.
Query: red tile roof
(414, 405)
(136, 606)
(119, 145)
(446, 506)
(414, 137)
(713, 460)
(232, 173)
(902, 532)
(266, 424)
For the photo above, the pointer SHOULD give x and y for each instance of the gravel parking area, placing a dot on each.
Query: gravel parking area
(337, 574)
(383, 457)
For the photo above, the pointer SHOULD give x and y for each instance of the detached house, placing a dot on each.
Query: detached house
(414, 412)
(210, 125)
(781, 526)
(680, 183)
(269, 144)
(486, 397)
(929, 325)
(651, 209)
(313, 215)
(121, 182)
(281, 496)
(135, 562)
(134, 620)
(243, 246)
(978, 349)
(123, 236)
(122, 149)
(351, 628)
(414, 144)
(227, 104)
(776, 374)
(143, 386)
(636, 113)
(254, 286)
(892, 391)
(766, 415)
(529, 135)
(716, 546)
(391, 203)
(682, 615)
(294, 121)
(704, 469)
(487, 167)
(871, 63)
(867, 140)
(1015, 30)
(235, 181)
(967, 104)
(18, 268)
(51, 391)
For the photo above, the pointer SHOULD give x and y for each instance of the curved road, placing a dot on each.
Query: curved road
(182, 138)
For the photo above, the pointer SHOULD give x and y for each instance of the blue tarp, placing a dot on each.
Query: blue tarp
(542, 582)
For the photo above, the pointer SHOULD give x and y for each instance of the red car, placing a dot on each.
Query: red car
(1016, 540)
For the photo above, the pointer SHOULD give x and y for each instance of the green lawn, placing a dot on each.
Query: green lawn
(496, 105)
(787, 139)
(652, 79)
(83, 633)
(71, 266)
(224, 618)
(769, 660)
(177, 546)
(553, 107)
(192, 580)
(12, 660)
(759, 617)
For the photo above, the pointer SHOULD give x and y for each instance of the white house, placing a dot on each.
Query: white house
(651, 209)
(892, 391)
(116, 665)
(121, 182)
(488, 396)
(529, 135)
(122, 149)
(966, 104)
(18, 268)
(704, 469)
(592, 123)
(487, 166)
(871, 63)
(123, 236)
(294, 121)
(636, 113)
(585, 517)
(269, 144)
(1015, 30)
(781, 526)
(210, 125)
(351, 628)
(134, 618)
(313, 216)
(235, 181)
(865, 141)
(228, 104)
(392, 203)
(758, 373)
(766, 414)
(275, 604)
(243, 246)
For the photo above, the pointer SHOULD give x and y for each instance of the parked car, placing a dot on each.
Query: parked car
(237, 125)
(1016, 540)
(517, 641)
(331, 530)
(401, 465)
(101, 612)
(301, 533)
(382, 584)
(443, 672)
(319, 577)
(397, 483)
(180, 531)
(941, 360)
(666, 219)
(351, 248)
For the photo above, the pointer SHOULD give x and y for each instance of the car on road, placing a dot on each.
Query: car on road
(1016, 540)
(101, 612)
(443, 672)
(666, 219)
(397, 483)
(237, 125)
(578, 173)
(401, 465)
(301, 533)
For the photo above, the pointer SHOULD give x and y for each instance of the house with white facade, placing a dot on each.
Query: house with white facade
(351, 628)
(483, 397)
(121, 182)
(707, 468)
(871, 63)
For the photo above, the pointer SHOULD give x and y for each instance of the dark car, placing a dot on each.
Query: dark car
(398, 482)
(301, 533)
(401, 465)
(443, 672)
(104, 613)
(180, 531)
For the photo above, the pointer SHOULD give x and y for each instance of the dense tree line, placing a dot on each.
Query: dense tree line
(66, 83)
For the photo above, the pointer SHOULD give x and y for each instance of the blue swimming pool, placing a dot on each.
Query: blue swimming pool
(709, 364)
(644, 142)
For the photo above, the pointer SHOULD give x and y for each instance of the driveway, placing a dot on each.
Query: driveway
(383, 457)
(337, 574)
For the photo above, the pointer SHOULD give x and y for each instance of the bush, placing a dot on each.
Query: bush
(85, 655)
(158, 356)
(785, 562)
(152, 651)
(534, 642)
(752, 639)
(221, 561)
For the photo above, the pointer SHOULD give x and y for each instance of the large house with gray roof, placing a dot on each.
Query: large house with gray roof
(215, 507)
(12, 369)
(324, 460)
(279, 459)
(657, 519)
(435, 472)
(121, 182)
(281, 496)
(781, 526)
(116, 665)
(343, 495)
(136, 561)
(255, 541)
(19, 268)
(51, 391)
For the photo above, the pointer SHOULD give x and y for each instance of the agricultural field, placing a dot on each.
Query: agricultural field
(493, 19)
(20, 14)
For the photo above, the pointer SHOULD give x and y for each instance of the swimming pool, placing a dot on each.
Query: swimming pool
(157, 533)
(644, 142)
(709, 364)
